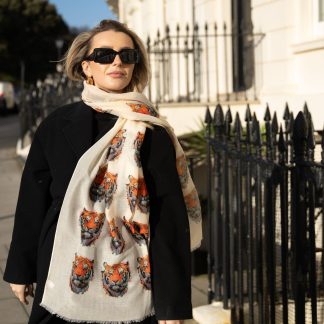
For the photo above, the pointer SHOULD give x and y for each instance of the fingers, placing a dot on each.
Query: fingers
(19, 291)
(22, 291)
(31, 290)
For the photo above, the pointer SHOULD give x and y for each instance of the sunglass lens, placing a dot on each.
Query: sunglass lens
(129, 56)
(105, 55)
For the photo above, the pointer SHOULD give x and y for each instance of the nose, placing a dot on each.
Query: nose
(117, 60)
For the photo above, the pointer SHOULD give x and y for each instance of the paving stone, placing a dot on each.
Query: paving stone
(5, 290)
(12, 312)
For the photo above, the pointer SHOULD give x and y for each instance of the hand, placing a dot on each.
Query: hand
(22, 291)
(171, 322)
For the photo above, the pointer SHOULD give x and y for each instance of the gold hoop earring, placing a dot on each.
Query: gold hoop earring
(90, 80)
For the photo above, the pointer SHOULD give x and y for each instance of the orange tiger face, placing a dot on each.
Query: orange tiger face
(143, 109)
(117, 242)
(144, 271)
(115, 278)
(139, 231)
(137, 145)
(182, 170)
(193, 205)
(81, 275)
(116, 145)
(132, 193)
(143, 196)
(97, 189)
(137, 194)
(91, 225)
(110, 186)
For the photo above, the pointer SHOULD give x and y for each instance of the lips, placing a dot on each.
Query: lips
(116, 74)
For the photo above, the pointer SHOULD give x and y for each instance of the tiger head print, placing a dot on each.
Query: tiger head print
(115, 278)
(81, 274)
(132, 193)
(97, 188)
(137, 194)
(193, 205)
(143, 196)
(182, 170)
(91, 225)
(137, 145)
(143, 109)
(144, 271)
(117, 242)
(139, 231)
(116, 145)
(110, 187)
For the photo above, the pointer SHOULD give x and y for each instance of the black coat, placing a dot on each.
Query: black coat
(59, 142)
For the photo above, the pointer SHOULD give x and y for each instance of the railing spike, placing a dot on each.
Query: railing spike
(274, 125)
(305, 109)
(286, 115)
(196, 27)
(237, 125)
(248, 116)
(267, 115)
(310, 136)
(228, 115)
(290, 125)
(254, 122)
(218, 116)
(282, 146)
(178, 28)
(167, 29)
(256, 134)
(206, 27)
(208, 116)
(215, 27)
(299, 136)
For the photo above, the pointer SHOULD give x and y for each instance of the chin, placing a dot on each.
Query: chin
(114, 88)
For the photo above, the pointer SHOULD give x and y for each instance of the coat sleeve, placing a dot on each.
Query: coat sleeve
(33, 202)
(169, 229)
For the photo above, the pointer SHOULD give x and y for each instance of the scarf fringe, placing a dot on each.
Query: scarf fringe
(101, 322)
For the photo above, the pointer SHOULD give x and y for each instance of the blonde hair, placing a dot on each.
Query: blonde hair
(82, 44)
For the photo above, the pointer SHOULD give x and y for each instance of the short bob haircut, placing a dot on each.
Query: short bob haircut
(81, 46)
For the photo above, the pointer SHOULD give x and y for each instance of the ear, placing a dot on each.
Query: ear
(86, 68)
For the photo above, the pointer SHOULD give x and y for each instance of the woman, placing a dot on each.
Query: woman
(103, 244)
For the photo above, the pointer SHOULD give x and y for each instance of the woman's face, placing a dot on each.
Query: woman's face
(113, 77)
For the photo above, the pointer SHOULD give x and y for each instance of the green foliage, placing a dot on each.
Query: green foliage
(195, 145)
(28, 30)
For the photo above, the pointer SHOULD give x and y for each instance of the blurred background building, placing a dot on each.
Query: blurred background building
(231, 52)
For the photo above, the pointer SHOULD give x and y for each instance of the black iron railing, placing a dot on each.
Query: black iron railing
(265, 211)
(42, 98)
(203, 64)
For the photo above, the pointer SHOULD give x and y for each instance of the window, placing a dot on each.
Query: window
(321, 10)
(318, 18)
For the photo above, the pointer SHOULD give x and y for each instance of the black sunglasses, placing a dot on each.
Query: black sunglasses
(107, 55)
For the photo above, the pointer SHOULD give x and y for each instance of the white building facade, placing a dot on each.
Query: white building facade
(287, 55)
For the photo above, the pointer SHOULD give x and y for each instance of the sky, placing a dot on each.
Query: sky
(83, 13)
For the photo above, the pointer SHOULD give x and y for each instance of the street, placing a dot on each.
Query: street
(11, 310)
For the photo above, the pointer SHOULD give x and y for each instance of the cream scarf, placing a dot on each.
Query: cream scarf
(100, 269)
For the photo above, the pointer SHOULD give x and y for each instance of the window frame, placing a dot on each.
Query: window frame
(318, 26)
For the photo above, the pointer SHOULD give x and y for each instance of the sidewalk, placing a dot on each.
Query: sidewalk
(11, 310)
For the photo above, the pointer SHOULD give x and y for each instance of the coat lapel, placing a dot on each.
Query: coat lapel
(78, 130)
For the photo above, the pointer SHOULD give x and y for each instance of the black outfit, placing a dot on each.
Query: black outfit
(59, 142)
